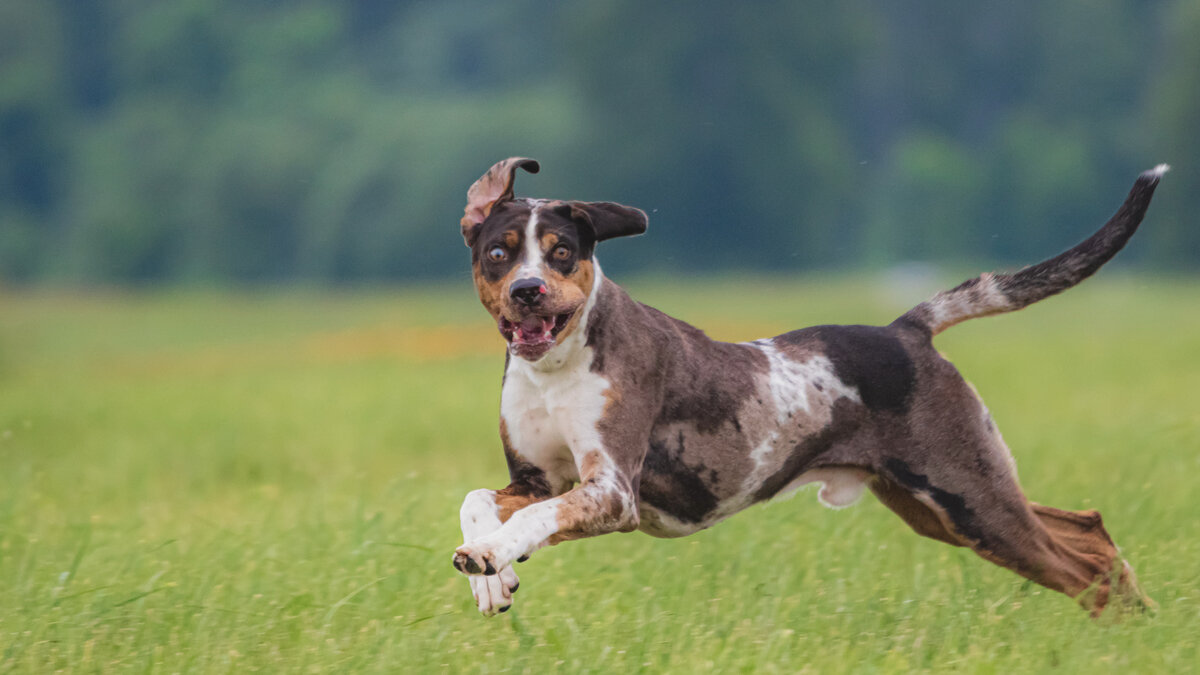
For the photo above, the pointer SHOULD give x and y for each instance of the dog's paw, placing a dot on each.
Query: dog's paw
(493, 594)
(471, 559)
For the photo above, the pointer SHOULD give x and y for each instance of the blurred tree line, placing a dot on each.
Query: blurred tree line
(334, 140)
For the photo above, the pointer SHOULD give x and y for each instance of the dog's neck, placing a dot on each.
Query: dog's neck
(570, 353)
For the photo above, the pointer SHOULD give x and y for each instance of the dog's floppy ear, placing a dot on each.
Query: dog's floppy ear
(492, 188)
(609, 220)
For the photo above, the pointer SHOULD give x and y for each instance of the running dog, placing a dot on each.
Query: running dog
(616, 417)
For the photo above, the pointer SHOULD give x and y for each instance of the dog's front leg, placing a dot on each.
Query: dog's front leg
(603, 502)
(483, 512)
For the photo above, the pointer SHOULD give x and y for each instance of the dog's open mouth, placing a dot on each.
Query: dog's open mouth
(534, 335)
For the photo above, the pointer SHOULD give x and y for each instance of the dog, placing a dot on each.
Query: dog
(616, 417)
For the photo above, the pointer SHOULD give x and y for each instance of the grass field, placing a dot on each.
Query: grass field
(270, 481)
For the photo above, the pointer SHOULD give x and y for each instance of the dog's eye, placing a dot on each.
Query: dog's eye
(561, 252)
(497, 254)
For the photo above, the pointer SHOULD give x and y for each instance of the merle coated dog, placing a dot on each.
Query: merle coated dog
(616, 417)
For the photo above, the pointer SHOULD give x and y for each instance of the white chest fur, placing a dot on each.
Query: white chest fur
(553, 417)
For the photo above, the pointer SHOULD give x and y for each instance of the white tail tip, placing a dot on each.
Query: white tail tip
(1158, 171)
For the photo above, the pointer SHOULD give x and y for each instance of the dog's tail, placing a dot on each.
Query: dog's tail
(997, 293)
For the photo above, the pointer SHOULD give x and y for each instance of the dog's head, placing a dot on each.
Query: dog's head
(532, 258)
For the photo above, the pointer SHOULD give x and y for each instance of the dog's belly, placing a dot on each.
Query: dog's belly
(840, 487)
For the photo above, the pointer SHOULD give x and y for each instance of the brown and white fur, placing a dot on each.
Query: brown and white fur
(616, 417)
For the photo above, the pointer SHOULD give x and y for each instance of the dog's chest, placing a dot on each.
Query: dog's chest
(552, 418)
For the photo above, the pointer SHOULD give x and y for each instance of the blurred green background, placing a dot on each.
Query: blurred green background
(322, 141)
(250, 468)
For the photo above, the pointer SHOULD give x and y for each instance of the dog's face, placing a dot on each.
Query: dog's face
(532, 259)
(533, 270)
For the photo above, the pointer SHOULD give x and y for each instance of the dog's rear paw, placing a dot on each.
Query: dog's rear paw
(493, 594)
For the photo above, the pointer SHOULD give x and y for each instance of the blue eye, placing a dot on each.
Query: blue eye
(497, 254)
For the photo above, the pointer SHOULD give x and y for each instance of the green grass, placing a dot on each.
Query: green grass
(270, 481)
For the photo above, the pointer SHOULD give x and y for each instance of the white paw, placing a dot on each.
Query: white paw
(493, 594)
(475, 558)
(483, 556)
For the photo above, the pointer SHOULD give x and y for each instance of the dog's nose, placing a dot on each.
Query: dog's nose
(528, 291)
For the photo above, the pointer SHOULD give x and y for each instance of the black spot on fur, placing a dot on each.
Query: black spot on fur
(671, 486)
(526, 478)
(983, 469)
(597, 330)
(708, 408)
(509, 216)
(953, 504)
(869, 358)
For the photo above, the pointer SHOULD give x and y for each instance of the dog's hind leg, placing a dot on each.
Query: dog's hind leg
(1065, 551)
(924, 520)
(945, 469)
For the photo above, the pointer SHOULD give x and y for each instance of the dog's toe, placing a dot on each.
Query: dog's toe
(509, 579)
(463, 562)
(493, 595)
(472, 561)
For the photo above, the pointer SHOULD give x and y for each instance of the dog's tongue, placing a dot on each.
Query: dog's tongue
(534, 329)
